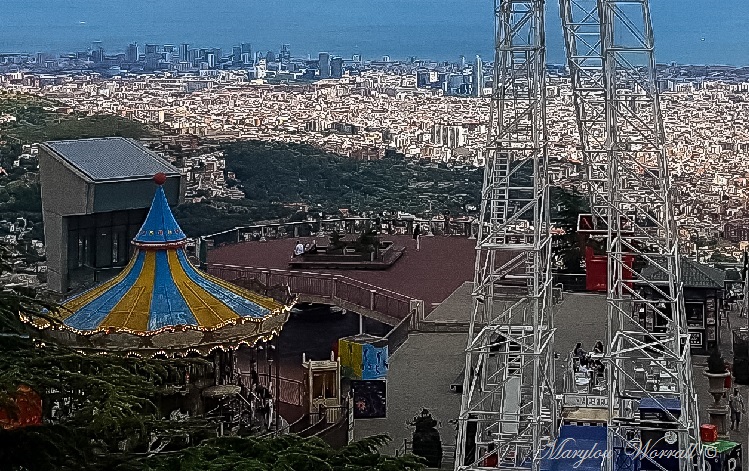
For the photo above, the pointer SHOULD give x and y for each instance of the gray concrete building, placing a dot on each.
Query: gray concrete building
(95, 196)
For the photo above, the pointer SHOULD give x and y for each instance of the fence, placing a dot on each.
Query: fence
(448, 453)
(340, 288)
(329, 414)
(354, 225)
(291, 391)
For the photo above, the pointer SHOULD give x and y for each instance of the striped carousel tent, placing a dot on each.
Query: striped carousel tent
(160, 303)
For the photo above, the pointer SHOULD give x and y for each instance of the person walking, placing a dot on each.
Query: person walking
(736, 402)
(417, 235)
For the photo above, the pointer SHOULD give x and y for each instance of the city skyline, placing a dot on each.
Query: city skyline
(691, 34)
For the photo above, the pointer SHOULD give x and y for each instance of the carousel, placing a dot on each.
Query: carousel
(160, 305)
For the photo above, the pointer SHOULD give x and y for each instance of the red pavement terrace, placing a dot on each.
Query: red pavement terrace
(431, 274)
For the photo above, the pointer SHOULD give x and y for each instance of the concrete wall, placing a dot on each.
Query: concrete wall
(109, 196)
(64, 192)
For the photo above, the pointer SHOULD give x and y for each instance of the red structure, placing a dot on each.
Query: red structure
(26, 411)
(596, 266)
(708, 433)
(596, 272)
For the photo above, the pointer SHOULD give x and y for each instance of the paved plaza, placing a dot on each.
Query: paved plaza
(440, 266)
(422, 370)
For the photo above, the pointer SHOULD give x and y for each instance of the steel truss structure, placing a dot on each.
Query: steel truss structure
(611, 59)
(508, 403)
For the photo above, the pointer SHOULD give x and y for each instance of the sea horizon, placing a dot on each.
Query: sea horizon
(686, 32)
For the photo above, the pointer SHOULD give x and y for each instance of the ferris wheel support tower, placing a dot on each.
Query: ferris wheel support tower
(610, 51)
(508, 405)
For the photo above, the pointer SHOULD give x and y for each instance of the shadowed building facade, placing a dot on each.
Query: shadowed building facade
(95, 196)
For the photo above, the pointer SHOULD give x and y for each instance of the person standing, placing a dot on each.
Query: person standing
(736, 402)
(417, 235)
(298, 249)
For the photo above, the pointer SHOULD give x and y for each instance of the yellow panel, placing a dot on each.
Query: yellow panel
(344, 354)
(264, 301)
(208, 311)
(134, 309)
(356, 358)
(73, 305)
(350, 354)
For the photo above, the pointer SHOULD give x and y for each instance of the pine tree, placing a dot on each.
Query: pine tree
(283, 452)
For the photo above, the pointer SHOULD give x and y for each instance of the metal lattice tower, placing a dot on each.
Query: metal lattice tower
(582, 35)
(618, 110)
(508, 392)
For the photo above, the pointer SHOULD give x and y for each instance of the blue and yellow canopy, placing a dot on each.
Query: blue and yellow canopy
(160, 289)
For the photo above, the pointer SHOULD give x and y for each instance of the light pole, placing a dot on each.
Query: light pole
(273, 357)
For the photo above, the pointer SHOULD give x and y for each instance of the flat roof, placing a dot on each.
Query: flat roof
(111, 158)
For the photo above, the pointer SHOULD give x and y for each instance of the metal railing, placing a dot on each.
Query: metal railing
(465, 227)
(570, 281)
(448, 453)
(336, 288)
(291, 390)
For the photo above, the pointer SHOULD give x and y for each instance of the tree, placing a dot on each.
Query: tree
(367, 241)
(336, 241)
(720, 258)
(284, 452)
(715, 362)
(566, 208)
(101, 400)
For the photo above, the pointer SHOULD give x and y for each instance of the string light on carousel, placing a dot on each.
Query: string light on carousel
(160, 305)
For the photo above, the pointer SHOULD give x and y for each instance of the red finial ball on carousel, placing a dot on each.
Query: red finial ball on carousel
(159, 178)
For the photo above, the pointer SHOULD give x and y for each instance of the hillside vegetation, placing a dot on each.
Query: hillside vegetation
(282, 172)
(28, 119)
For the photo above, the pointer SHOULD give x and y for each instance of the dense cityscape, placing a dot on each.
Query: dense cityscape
(363, 109)
(210, 258)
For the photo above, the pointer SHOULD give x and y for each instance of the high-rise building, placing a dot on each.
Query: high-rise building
(152, 48)
(168, 48)
(210, 58)
(131, 54)
(184, 51)
(97, 52)
(323, 65)
(462, 62)
(247, 58)
(236, 55)
(385, 58)
(356, 58)
(194, 56)
(270, 57)
(285, 56)
(478, 77)
(336, 67)
(422, 78)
